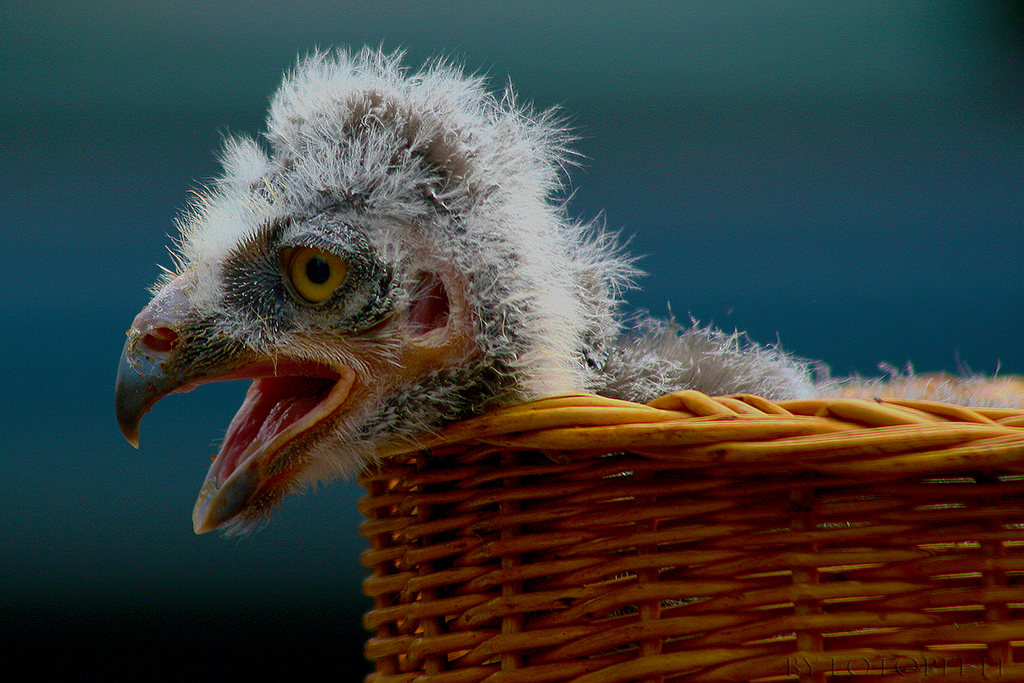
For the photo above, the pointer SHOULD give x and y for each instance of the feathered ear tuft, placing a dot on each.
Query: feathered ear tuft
(368, 123)
(244, 162)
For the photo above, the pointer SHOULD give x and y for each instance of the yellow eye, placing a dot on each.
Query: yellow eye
(315, 274)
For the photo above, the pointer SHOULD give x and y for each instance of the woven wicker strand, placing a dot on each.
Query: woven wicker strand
(701, 539)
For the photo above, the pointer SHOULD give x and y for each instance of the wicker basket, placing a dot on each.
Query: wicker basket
(702, 539)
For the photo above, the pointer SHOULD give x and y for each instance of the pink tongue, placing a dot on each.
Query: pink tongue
(286, 412)
(271, 405)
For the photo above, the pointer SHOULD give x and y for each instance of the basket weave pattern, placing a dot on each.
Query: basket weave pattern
(701, 539)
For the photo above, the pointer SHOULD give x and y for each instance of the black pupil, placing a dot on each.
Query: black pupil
(318, 271)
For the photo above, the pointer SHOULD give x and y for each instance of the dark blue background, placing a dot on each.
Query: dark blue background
(845, 178)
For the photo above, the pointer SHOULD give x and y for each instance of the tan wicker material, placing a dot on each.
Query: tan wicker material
(702, 539)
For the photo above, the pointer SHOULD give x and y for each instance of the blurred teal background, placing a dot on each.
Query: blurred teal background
(845, 178)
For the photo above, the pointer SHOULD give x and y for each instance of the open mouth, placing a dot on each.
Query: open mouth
(284, 400)
(272, 407)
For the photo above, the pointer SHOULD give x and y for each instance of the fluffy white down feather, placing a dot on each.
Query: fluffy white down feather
(497, 208)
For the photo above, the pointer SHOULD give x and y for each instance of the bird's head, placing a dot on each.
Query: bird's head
(393, 262)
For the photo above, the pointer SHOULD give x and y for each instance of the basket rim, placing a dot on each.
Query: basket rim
(877, 438)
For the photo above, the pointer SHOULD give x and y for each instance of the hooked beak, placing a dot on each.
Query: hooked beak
(261, 455)
(142, 378)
